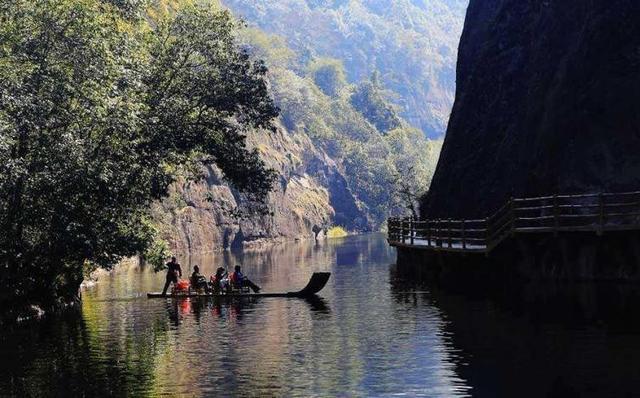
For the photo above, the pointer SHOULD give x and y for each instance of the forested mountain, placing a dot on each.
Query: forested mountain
(339, 152)
(125, 124)
(355, 82)
(412, 44)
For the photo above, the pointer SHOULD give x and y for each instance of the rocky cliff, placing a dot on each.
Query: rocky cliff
(546, 102)
(338, 150)
(310, 195)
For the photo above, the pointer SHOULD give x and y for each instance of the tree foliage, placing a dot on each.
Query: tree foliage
(370, 142)
(368, 99)
(328, 74)
(99, 113)
(412, 43)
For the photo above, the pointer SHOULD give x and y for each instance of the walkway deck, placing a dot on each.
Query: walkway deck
(596, 213)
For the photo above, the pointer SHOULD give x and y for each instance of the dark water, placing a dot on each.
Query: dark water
(372, 333)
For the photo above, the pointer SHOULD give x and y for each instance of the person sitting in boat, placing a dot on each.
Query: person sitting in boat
(198, 281)
(220, 281)
(238, 280)
(173, 273)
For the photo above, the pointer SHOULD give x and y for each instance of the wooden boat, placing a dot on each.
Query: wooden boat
(316, 283)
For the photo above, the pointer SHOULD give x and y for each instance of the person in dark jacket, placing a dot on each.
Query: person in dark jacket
(173, 273)
(238, 280)
(197, 280)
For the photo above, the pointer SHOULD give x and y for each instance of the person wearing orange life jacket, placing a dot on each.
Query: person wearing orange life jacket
(238, 280)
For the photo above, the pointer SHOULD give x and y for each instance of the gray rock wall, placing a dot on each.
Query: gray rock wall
(548, 101)
(309, 196)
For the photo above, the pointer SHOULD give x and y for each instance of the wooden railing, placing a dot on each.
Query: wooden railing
(548, 214)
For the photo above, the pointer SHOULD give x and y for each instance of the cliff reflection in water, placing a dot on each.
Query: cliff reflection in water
(541, 340)
(354, 341)
(373, 332)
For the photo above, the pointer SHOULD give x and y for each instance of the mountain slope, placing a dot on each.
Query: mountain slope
(337, 157)
(411, 43)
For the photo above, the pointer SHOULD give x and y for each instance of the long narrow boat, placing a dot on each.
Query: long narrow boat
(316, 283)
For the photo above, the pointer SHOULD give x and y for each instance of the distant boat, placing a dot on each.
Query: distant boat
(316, 283)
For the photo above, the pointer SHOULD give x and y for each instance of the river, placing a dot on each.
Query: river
(370, 333)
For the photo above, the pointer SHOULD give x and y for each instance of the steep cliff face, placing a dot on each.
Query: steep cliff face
(546, 102)
(310, 195)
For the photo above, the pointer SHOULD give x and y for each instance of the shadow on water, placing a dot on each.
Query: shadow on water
(539, 339)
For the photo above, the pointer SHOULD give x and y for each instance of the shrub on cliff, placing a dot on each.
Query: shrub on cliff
(337, 232)
(368, 98)
(99, 112)
(328, 74)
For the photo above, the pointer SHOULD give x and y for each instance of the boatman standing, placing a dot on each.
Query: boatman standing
(173, 272)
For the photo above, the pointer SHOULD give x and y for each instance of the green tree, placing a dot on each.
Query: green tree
(368, 99)
(414, 158)
(99, 113)
(328, 74)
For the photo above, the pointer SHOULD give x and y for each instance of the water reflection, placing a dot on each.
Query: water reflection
(356, 339)
(373, 332)
(542, 339)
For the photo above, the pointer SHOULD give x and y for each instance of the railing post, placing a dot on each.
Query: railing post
(556, 222)
(412, 228)
(449, 231)
(396, 229)
(487, 236)
(464, 242)
(428, 232)
(393, 230)
(512, 216)
(438, 233)
(402, 230)
(601, 211)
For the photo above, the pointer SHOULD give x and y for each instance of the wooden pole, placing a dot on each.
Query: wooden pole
(487, 243)
(601, 211)
(556, 223)
(412, 228)
(392, 230)
(396, 229)
(512, 216)
(464, 243)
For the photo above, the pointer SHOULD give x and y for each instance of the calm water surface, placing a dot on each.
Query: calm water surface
(370, 333)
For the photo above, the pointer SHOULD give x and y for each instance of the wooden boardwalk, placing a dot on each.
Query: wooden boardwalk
(597, 213)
